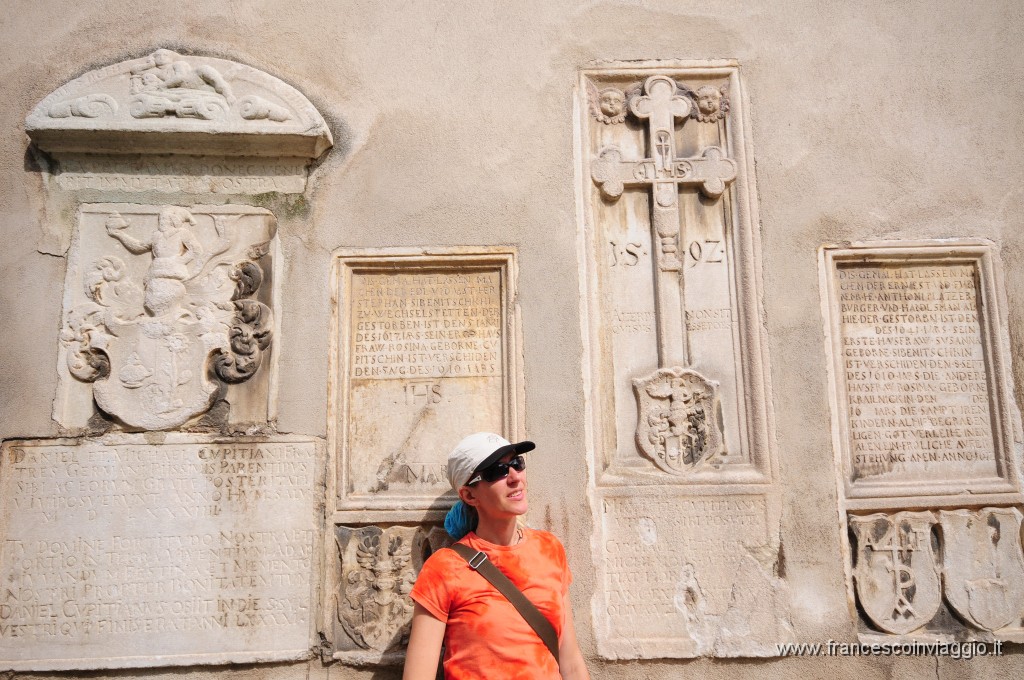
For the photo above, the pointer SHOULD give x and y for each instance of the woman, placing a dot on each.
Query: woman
(484, 635)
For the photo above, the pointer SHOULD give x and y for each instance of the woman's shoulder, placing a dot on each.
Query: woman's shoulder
(443, 558)
(547, 540)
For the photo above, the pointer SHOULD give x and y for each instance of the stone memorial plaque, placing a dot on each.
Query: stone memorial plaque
(424, 354)
(676, 382)
(120, 552)
(678, 568)
(921, 397)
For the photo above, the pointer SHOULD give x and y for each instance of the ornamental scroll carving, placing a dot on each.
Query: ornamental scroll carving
(167, 308)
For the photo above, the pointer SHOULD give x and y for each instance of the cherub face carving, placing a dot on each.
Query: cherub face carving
(608, 105)
(613, 103)
(708, 99)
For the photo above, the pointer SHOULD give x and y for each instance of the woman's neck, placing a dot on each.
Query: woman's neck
(499, 531)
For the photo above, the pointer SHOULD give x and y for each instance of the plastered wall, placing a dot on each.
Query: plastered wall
(453, 126)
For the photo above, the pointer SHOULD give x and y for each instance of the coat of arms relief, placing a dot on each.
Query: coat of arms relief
(907, 565)
(165, 306)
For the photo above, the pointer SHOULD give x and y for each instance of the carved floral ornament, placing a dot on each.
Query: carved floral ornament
(610, 105)
(120, 107)
(166, 310)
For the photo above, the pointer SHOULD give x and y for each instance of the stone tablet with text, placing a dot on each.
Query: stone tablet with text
(117, 552)
(425, 352)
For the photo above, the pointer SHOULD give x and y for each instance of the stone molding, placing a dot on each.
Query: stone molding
(181, 104)
(678, 418)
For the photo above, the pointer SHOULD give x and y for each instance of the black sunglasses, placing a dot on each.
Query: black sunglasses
(499, 470)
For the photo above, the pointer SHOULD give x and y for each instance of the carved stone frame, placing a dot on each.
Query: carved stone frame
(748, 481)
(924, 498)
(982, 255)
(484, 258)
(743, 242)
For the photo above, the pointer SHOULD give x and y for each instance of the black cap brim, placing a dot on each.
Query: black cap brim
(520, 447)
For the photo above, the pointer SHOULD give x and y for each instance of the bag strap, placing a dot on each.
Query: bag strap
(479, 563)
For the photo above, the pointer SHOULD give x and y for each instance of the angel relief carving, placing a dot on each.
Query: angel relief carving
(167, 310)
(165, 84)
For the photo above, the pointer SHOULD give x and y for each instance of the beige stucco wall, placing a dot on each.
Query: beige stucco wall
(453, 126)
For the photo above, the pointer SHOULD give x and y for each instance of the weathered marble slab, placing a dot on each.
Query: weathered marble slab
(424, 353)
(685, 575)
(686, 515)
(920, 372)
(138, 551)
(925, 430)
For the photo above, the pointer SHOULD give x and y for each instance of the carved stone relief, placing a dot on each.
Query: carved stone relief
(377, 569)
(896, 571)
(250, 112)
(164, 307)
(431, 339)
(229, 127)
(923, 417)
(676, 408)
(145, 540)
(679, 422)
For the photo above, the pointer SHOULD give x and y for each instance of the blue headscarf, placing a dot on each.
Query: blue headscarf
(460, 520)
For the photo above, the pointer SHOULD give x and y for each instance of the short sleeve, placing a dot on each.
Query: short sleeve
(431, 589)
(566, 572)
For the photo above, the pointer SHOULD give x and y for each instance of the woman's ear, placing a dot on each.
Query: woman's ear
(466, 496)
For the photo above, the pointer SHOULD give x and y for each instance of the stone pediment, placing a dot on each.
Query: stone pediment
(171, 103)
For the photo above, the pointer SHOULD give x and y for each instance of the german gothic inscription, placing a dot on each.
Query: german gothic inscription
(916, 361)
(925, 430)
(915, 371)
(426, 340)
(123, 553)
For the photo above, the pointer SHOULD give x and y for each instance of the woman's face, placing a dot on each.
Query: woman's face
(502, 498)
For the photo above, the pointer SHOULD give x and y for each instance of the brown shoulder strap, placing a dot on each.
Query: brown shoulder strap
(479, 563)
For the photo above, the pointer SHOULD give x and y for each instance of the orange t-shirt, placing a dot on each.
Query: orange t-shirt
(486, 637)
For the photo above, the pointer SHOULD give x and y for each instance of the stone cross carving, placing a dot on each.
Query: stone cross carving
(660, 105)
(677, 423)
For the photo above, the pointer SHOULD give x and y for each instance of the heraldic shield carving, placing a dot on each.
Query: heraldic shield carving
(679, 420)
(896, 571)
(378, 569)
(983, 568)
(163, 307)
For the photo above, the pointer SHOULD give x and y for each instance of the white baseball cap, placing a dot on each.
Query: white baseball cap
(477, 452)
